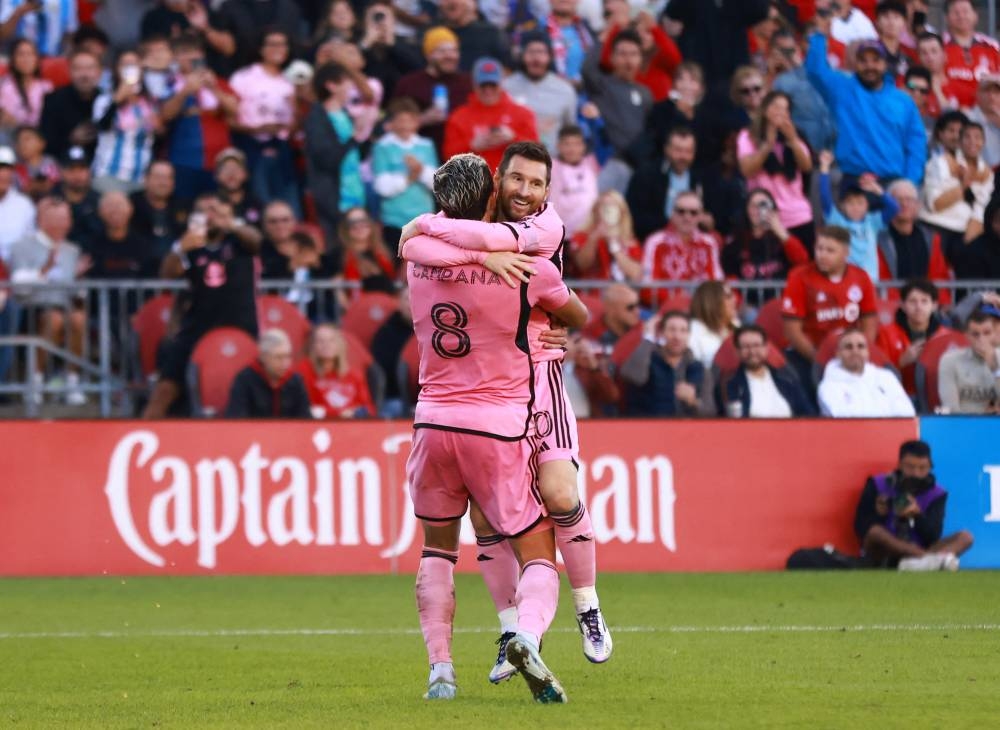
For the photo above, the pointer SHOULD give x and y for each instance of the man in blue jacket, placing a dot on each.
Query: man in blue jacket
(761, 390)
(879, 127)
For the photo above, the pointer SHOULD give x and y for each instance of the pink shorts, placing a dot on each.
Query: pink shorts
(554, 432)
(445, 468)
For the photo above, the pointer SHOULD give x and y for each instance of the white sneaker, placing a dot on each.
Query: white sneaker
(930, 562)
(441, 684)
(597, 644)
(544, 686)
(74, 395)
(503, 669)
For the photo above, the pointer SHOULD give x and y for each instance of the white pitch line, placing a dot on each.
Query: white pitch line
(750, 629)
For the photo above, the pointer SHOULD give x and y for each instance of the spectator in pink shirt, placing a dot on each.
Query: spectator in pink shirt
(773, 157)
(22, 89)
(266, 116)
(573, 189)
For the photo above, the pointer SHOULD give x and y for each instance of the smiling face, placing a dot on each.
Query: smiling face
(870, 67)
(522, 189)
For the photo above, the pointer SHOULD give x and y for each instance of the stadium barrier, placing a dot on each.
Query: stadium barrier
(200, 497)
(966, 454)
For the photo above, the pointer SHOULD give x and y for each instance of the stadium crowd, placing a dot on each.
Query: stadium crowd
(720, 147)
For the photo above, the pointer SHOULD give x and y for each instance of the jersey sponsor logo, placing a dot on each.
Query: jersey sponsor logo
(820, 297)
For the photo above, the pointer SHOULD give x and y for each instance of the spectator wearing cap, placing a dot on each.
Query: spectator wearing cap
(619, 101)
(75, 186)
(987, 113)
(17, 214)
(265, 118)
(127, 121)
(570, 38)
(438, 88)
(879, 127)
(67, 113)
(714, 34)
(969, 377)
(968, 54)
(476, 37)
(853, 387)
(850, 24)
(158, 216)
(45, 255)
(760, 389)
(490, 120)
(333, 162)
(231, 177)
(269, 388)
(890, 22)
(536, 86)
(956, 191)
(22, 90)
(198, 114)
(810, 114)
(47, 26)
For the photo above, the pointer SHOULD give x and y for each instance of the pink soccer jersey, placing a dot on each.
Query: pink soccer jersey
(541, 234)
(472, 338)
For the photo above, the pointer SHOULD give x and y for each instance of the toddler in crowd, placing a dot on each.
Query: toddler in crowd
(573, 190)
(853, 214)
(36, 172)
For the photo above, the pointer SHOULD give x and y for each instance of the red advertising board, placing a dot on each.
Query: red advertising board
(197, 497)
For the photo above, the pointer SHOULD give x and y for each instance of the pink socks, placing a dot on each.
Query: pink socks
(436, 601)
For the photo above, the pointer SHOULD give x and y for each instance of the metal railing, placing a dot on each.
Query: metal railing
(111, 368)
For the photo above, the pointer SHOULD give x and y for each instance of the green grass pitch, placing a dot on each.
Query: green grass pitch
(810, 650)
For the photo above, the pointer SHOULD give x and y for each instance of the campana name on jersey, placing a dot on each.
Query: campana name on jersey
(457, 275)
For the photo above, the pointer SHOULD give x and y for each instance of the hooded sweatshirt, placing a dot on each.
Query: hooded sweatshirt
(474, 118)
(875, 393)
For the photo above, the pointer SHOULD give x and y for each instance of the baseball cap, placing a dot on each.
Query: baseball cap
(230, 153)
(75, 155)
(991, 310)
(989, 79)
(7, 156)
(871, 45)
(486, 71)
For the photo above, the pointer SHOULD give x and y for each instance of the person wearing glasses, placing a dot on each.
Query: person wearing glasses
(758, 389)
(852, 387)
(810, 114)
(917, 83)
(746, 92)
(683, 251)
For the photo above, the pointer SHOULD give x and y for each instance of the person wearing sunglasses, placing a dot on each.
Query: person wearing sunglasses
(683, 251)
(917, 85)
(810, 114)
(747, 91)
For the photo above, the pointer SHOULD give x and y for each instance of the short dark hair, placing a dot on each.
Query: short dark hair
(918, 72)
(837, 233)
(928, 36)
(680, 131)
(87, 33)
(187, 41)
(922, 285)
(674, 314)
(948, 118)
(915, 447)
(327, 73)
(749, 329)
(973, 125)
(571, 130)
(783, 32)
(979, 317)
(626, 36)
(890, 6)
(402, 105)
(533, 151)
(949, 3)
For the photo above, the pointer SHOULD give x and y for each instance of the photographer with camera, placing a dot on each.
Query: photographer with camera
(900, 517)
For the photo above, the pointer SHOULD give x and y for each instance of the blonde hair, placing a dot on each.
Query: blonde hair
(625, 225)
(341, 363)
(740, 75)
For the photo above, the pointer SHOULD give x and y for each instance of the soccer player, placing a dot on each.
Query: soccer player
(530, 225)
(474, 414)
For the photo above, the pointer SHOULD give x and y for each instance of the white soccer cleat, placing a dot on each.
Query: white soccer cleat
(597, 644)
(544, 686)
(503, 669)
(929, 562)
(441, 689)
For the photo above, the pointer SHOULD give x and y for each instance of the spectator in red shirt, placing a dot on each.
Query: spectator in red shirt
(826, 295)
(930, 51)
(335, 389)
(916, 322)
(660, 55)
(490, 120)
(605, 247)
(682, 251)
(969, 55)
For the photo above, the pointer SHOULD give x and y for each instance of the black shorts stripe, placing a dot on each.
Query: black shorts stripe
(555, 406)
(438, 519)
(533, 473)
(489, 540)
(558, 405)
(563, 405)
(545, 563)
(435, 554)
(530, 527)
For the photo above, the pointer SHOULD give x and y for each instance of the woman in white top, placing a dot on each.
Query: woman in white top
(713, 318)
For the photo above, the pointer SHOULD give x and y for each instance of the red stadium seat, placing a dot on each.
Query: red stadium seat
(678, 300)
(149, 325)
(626, 345)
(55, 69)
(887, 311)
(409, 372)
(215, 362)
(929, 363)
(769, 318)
(273, 312)
(367, 313)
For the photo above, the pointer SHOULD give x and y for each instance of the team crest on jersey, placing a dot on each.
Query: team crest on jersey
(854, 293)
(542, 422)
